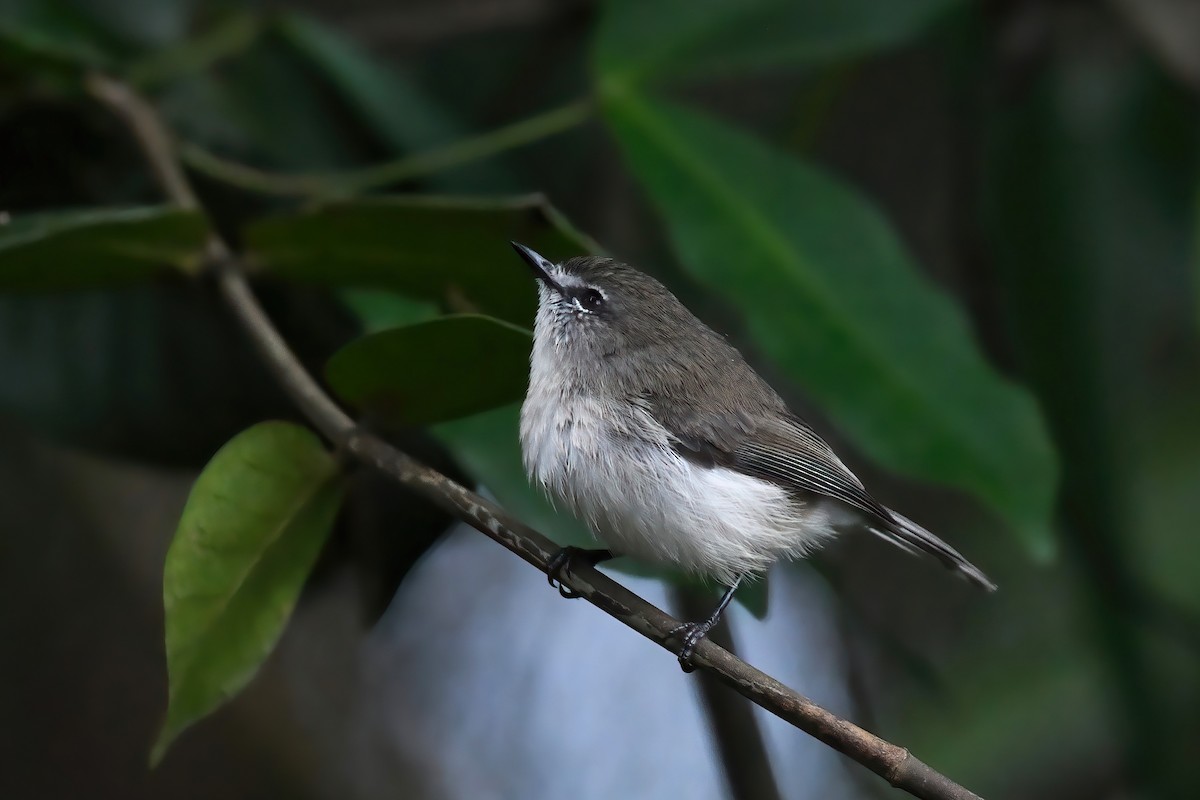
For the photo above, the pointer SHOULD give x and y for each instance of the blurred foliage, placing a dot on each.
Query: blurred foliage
(640, 42)
(87, 249)
(1092, 174)
(1073, 202)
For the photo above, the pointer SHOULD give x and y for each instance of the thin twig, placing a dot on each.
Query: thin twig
(229, 37)
(352, 182)
(150, 133)
(893, 763)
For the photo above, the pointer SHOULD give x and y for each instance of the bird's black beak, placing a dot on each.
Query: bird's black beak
(541, 267)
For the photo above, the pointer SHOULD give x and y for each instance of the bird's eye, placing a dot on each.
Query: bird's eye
(591, 299)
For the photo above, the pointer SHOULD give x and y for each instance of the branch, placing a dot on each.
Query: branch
(893, 763)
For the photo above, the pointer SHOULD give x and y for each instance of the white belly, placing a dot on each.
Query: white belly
(644, 500)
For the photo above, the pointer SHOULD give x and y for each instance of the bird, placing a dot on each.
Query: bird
(655, 432)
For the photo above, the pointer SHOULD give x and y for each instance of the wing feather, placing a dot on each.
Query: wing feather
(793, 455)
(775, 445)
(780, 448)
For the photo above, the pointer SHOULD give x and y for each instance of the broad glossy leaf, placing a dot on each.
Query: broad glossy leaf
(83, 249)
(830, 294)
(452, 251)
(638, 41)
(249, 536)
(433, 371)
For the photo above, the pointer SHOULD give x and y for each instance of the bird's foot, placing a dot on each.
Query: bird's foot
(561, 561)
(690, 634)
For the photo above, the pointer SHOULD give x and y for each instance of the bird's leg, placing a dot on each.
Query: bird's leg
(693, 632)
(562, 560)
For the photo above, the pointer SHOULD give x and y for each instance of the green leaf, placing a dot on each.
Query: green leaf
(82, 249)
(433, 371)
(638, 42)
(249, 536)
(452, 251)
(829, 293)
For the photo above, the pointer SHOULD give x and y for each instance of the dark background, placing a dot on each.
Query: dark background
(1039, 159)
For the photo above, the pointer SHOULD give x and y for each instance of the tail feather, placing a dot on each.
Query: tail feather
(912, 538)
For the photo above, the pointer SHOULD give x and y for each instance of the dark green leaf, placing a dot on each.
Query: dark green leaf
(433, 371)
(830, 294)
(72, 250)
(639, 41)
(249, 536)
(451, 251)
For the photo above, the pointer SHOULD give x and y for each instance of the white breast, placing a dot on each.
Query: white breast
(615, 467)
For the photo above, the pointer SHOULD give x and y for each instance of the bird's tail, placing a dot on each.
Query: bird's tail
(908, 535)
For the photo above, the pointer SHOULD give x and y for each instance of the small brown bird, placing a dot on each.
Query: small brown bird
(651, 428)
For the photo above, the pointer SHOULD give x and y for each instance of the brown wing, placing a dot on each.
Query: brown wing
(772, 444)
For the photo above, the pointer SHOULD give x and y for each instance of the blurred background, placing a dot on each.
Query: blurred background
(961, 237)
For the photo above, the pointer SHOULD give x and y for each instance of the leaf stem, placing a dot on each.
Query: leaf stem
(233, 35)
(352, 182)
